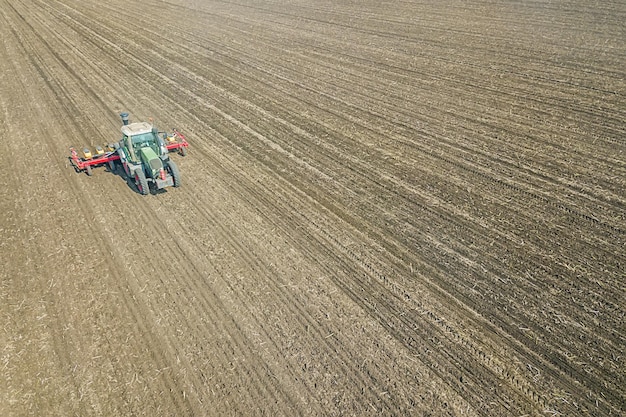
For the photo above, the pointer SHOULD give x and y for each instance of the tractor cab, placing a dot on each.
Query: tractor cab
(137, 137)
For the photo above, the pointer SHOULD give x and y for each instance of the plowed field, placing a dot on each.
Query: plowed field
(388, 208)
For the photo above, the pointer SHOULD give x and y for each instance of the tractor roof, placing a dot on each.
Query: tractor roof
(136, 128)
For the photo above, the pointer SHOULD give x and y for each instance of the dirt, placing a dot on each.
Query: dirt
(388, 208)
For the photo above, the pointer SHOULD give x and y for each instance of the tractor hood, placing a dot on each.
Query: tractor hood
(151, 160)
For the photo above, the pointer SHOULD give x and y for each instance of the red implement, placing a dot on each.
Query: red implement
(85, 164)
(177, 141)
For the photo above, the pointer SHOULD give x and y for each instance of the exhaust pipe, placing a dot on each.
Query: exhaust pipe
(124, 117)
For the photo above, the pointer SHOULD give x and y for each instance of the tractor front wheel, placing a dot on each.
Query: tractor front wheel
(141, 182)
(175, 173)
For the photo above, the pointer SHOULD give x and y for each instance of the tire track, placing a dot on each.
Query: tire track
(38, 62)
(336, 192)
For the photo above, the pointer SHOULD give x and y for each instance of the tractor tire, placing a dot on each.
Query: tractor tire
(88, 170)
(112, 166)
(183, 151)
(175, 173)
(141, 182)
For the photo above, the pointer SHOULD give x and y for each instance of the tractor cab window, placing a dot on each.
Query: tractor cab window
(144, 139)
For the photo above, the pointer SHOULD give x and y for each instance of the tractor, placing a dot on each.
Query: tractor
(143, 153)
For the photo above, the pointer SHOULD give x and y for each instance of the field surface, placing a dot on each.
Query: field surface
(388, 208)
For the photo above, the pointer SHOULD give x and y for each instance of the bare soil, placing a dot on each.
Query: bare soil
(389, 208)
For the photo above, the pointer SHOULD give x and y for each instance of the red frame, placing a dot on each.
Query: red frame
(177, 145)
(82, 163)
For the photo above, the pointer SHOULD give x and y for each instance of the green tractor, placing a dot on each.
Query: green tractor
(144, 154)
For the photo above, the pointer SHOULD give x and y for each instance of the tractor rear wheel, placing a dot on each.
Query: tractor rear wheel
(175, 173)
(141, 182)
(88, 170)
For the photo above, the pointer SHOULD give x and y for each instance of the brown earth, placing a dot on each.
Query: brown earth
(389, 208)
